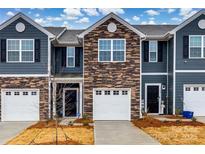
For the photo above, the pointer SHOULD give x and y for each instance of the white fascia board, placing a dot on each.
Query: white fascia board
(190, 71)
(114, 16)
(29, 20)
(61, 33)
(155, 73)
(187, 21)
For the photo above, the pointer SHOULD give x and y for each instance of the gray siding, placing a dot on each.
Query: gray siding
(170, 75)
(190, 29)
(59, 69)
(186, 78)
(30, 32)
(155, 79)
(148, 67)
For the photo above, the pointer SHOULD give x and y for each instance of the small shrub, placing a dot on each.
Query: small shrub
(194, 119)
(178, 112)
(85, 116)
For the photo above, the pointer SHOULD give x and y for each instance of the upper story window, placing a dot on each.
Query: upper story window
(112, 50)
(153, 51)
(70, 60)
(196, 46)
(20, 50)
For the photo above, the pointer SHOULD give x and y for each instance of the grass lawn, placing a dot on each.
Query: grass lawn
(173, 133)
(44, 133)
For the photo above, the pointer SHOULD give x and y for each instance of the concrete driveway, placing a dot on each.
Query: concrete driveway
(120, 133)
(201, 119)
(9, 130)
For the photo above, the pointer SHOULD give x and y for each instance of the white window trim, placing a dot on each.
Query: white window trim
(20, 51)
(112, 50)
(202, 47)
(154, 52)
(70, 57)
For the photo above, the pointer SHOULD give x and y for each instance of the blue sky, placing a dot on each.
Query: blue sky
(82, 18)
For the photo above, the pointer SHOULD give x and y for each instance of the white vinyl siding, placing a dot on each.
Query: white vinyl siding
(153, 51)
(70, 59)
(196, 46)
(20, 50)
(112, 50)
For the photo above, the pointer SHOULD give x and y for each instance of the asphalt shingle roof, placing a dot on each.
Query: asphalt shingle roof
(55, 30)
(155, 29)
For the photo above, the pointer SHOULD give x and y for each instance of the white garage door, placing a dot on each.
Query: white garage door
(20, 105)
(194, 99)
(111, 104)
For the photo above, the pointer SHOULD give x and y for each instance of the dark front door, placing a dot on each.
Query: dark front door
(153, 99)
(70, 106)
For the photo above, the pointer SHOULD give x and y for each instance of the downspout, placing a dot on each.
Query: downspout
(142, 39)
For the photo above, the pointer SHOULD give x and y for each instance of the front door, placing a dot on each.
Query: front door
(70, 102)
(153, 98)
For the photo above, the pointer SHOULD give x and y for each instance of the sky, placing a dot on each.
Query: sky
(76, 18)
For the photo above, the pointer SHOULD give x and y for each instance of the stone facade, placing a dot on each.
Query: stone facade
(40, 83)
(112, 74)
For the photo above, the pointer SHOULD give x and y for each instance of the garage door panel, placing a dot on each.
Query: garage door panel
(114, 106)
(194, 99)
(20, 105)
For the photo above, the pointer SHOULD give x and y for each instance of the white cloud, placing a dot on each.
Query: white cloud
(176, 19)
(40, 21)
(10, 13)
(136, 18)
(171, 10)
(164, 23)
(51, 19)
(91, 12)
(152, 18)
(151, 22)
(106, 11)
(187, 12)
(72, 12)
(65, 24)
(126, 19)
(152, 12)
(83, 20)
(37, 15)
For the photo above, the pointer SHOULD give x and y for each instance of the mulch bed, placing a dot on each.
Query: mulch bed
(81, 120)
(151, 122)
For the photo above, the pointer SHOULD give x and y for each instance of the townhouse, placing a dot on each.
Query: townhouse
(110, 71)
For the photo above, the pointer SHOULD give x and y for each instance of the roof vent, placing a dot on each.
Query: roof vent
(112, 27)
(201, 24)
(20, 27)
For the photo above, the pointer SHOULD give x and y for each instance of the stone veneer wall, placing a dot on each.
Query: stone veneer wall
(112, 74)
(40, 83)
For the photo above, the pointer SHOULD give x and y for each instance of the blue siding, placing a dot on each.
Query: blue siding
(155, 67)
(190, 29)
(30, 32)
(155, 79)
(59, 69)
(186, 78)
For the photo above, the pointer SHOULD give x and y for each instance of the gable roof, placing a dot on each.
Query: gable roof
(57, 31)
(155, 30)
(70, 37)
(180, 26)
(29, 20)
(114, 16)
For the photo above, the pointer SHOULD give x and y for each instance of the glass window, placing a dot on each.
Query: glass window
(195, 46)
(20, 50)
(115, 92)
(111, 50)
(152, 51)
(98, 92)
(107, 92)
(188, 89)
(33, 93)
(196, 88)
(25, 93)
(70, 56)
(16, 93)
(124, 92)
(8, 93)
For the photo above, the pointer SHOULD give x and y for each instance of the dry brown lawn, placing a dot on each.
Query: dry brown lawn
(173, 133)
(44, 133)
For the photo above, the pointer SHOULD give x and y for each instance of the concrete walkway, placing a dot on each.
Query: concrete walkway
(120, 133)
(201, 119)
(8, 130)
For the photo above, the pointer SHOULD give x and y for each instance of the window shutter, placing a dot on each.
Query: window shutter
(160, 51)
(146, 51)
(37, 50)
(3, 50)
(77, 56)
(64, 56)
(185, 47)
